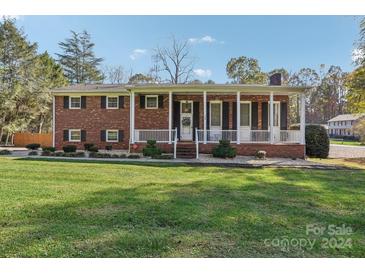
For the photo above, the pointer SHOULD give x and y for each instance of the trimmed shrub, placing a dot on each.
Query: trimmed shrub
(99, 155)
(50, 149)
(316, 141)
(33, 146)
(87, 146)
(33, 153)
(69, 148)
(260, 154)
(133, 156)
(108, 147)
(151, 149)
(224, 150)
(93, 149)
(5, 152)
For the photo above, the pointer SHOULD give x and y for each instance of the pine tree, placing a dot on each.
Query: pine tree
(78, 59)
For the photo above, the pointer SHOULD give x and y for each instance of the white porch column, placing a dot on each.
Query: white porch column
(205, 116)
(170, 115)
(131, 115)
(271, 117)
(302, 118)
(238, 119)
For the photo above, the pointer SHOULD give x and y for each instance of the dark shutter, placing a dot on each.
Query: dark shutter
(83, 101)
(254, 115)
(208, 115)
(121, 135)
(102, 135)
(264, 116)
(65, 135)
(283, 115)
(195, 117)
(160, 101)
(121, 101)
(176, 118)
(234, 116)
(142, 99)
(225, 115)
(83, 135)
(66, 101)
(103, 101)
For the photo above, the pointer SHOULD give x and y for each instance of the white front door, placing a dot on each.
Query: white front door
(186, 120)
(276, 126)
(245, 121)
(215, 121)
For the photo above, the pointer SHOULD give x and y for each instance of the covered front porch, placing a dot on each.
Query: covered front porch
(245, 117)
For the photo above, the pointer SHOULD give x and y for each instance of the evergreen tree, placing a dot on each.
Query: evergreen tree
(78, 59)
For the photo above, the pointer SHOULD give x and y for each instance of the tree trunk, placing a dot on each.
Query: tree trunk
(7, 139)
(1, 135)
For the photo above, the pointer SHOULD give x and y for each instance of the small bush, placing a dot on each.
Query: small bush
(151, 149)
(224, 150)
(163, 157)
(33, 146)
(133, 156)
(69, 148)
(33, 153)
(50, 149)
(5, 152)
(99, 155)
(93, 149)
(87, 146)
(317, 141)
(108, 147)
(260, 154)
(47, 153)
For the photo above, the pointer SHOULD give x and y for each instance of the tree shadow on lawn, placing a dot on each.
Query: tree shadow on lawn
(200, 219)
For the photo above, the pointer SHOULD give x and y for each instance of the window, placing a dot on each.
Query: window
(151, 101)
(276, 113)
(74, 135)
(215, 114)
(75, 102)
(112, 102)
(112, 135)
(245, 115)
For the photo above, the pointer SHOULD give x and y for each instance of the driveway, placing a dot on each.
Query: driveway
(344, 151)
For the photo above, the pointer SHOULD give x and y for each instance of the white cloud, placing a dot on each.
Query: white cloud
(357, 55)
(205, 39)
(203, 73)
(136, 53)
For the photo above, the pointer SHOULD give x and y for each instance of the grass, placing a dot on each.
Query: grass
(345, 142)
(358, 163)
(81, 209)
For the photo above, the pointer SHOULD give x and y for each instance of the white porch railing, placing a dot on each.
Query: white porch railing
(290, 136)
(159, 135)
(258, 136)
(213, 136)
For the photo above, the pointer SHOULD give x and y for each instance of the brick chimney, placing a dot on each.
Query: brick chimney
(275, 79)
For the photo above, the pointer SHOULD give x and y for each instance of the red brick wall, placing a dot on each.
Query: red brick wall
(152, 118)
(93, 119)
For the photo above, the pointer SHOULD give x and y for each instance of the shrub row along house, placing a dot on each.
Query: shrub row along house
(183, 119)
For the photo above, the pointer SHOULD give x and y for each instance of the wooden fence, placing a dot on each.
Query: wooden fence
(22, 139)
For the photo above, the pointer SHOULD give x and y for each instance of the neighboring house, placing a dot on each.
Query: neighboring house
(341, 125)
(183, 119)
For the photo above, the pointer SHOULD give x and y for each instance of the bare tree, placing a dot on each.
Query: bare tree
(176, 61)
(115, 74)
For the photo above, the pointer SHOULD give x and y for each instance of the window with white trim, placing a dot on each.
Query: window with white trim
(112, 135)
(151, 101)
(112, 102)
(245, 115)
(75, 102)
(215, 114)
(74, 135)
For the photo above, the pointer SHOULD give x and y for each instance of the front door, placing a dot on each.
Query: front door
(186, 120)
(276, 125)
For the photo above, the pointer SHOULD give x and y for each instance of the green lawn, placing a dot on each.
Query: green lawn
(345, 142)
(82, 209)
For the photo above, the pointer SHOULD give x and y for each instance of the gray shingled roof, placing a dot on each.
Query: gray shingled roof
(91, 87)
(347, 117)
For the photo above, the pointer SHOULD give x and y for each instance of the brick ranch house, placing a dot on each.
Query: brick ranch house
(183, 119)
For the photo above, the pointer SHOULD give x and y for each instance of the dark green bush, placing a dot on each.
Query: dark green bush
(93, 148)
(316, 141)
(33, 153)
(87, 146)
(151, 149)
(69, 148)
(50, 149)
(108, 147)
(5, 152)
(99, 155)
(224, 150)
(33, 146)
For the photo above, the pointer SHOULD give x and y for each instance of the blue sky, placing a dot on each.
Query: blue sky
(291, 42)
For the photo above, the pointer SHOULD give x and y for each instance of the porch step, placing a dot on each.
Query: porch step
(185, 150)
